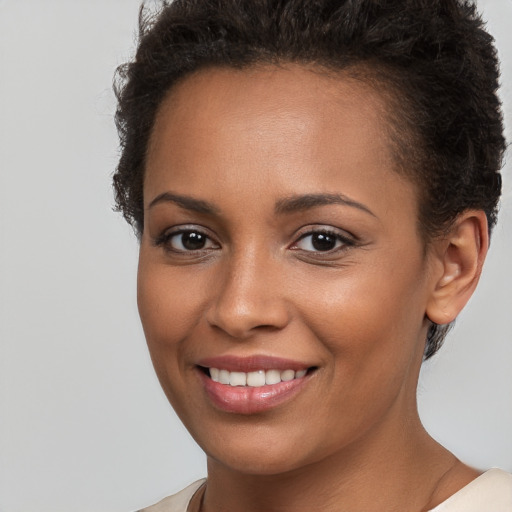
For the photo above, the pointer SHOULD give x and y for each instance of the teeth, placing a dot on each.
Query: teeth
(214, 374)
(237, 378)
(255, 379)
(223, 376)
(272, 377)
(287, 375)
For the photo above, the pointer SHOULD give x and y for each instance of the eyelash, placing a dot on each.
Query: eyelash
(164, 240)
(344, 241)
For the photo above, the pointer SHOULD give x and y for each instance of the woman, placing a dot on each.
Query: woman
(314, 185)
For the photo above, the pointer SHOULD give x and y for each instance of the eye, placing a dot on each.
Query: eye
(186, 240)
(321, 241)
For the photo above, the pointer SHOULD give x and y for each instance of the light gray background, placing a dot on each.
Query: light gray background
(84, 425)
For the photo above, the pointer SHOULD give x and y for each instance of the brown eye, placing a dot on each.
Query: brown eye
(323, 241)
(193, 241)
(320, 241)
(187, 241)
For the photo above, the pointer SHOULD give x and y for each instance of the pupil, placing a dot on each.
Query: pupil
(323, 242)
(193, 241)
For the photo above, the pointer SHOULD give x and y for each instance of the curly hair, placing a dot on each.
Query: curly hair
(434, 59)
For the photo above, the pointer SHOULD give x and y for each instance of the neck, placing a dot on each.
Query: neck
(375, 473)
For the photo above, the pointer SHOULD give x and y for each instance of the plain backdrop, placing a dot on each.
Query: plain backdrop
(84, 426)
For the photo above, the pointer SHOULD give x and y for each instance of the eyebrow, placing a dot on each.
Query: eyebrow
(186, 202)
(287, 205)
(304, 202)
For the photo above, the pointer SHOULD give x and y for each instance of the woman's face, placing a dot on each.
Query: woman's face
(281, 248)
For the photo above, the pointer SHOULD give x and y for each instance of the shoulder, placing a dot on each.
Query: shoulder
(490, 492)
(177, 502)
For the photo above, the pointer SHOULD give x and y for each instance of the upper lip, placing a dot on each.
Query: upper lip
(251, 363)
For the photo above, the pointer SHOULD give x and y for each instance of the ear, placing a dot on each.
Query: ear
(458, 260)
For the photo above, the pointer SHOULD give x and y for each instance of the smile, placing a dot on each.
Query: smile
(252, 385)
(254, 379)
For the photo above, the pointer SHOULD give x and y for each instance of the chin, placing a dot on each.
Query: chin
(262, 452)
(255, 462)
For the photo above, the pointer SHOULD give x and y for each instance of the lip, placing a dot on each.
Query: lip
(250, 400)
(252, 363)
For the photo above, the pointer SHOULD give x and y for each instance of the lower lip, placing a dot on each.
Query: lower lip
(249, 400)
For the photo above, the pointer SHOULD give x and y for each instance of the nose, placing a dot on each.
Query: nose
(248, 297)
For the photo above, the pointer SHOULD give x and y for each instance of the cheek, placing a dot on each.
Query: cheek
(371, 320)
(166, 303)
(168, 309)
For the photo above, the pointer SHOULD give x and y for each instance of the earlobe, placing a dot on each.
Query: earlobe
(459, 260)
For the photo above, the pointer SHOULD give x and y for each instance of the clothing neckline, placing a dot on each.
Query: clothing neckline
(471, 487)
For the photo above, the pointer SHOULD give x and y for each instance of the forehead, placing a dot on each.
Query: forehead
(298, 129)
(262, 101)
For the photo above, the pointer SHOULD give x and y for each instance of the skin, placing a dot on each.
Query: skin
(245, 141)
